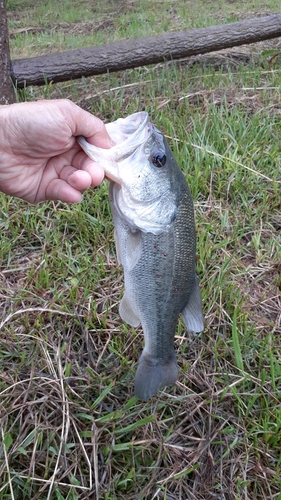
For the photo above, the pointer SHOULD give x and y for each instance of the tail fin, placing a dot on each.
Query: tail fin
(153, 373)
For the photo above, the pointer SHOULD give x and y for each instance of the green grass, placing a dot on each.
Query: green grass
(49, 26)
(70, 425)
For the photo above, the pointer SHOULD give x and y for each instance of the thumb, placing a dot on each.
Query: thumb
(86, 124)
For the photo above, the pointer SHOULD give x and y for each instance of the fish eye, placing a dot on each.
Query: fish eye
(159, 160)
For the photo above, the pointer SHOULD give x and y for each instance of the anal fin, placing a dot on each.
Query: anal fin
(192, 313)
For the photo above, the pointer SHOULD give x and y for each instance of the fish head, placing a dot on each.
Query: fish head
(145, 190)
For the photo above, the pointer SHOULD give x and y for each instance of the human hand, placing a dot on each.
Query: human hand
(40, 158)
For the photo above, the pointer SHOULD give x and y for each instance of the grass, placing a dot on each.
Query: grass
(70, 425)
(44, 27)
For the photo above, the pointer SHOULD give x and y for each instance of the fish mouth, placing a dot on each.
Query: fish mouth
(112, 178)
(128, 134)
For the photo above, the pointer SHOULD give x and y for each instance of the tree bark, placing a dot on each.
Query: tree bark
(73, 64)
(7, 95)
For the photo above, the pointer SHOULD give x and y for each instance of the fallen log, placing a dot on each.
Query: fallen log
(72, 64)
(6, 87)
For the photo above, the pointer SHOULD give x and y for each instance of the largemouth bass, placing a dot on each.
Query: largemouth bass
(155, 241)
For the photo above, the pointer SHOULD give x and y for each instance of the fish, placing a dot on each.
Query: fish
(155, 239)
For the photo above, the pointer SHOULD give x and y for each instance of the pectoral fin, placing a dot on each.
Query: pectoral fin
(126, 312)
(117, 246)
(192, 313)
(133, 249)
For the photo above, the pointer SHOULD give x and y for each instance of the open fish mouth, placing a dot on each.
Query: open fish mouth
(128, 134)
